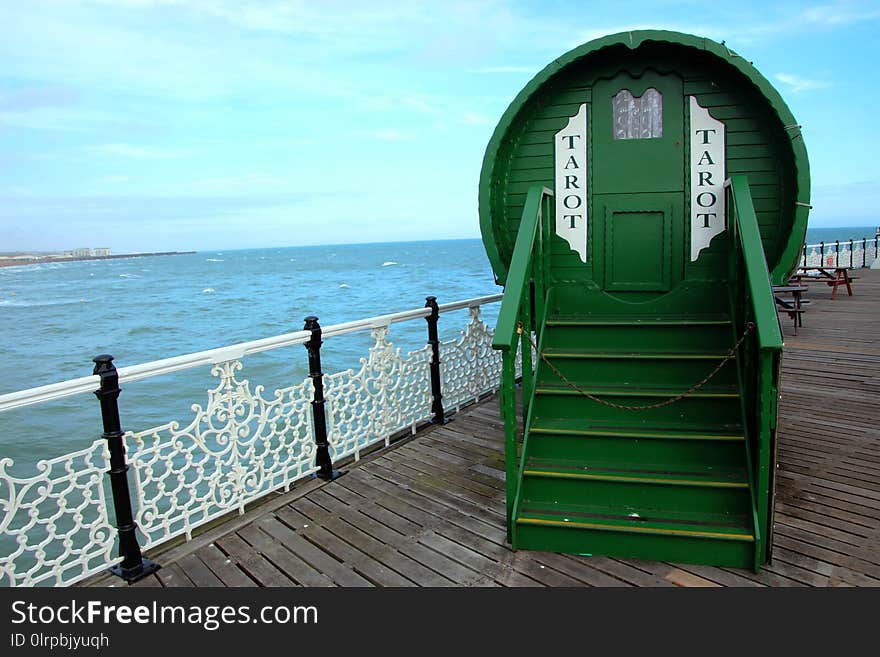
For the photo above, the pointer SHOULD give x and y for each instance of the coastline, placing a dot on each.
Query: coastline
(10, 262)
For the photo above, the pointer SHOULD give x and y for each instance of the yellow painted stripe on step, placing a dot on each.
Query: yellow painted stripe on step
(643, 480)
(633, 354)
(636, 530)
(638, 322)
(630, 434)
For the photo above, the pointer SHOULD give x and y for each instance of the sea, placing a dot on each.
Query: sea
(54, 318)
(842, 233)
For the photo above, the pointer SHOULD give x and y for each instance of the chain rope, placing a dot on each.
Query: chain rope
(638, 407)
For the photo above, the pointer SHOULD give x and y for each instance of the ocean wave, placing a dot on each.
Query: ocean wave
(16, 303)
(388, 263)
(128, 276)
(208, 290)
(141, 330)
(213, 260)
(344, 286)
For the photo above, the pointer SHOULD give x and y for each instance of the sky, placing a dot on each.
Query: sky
(150, 125)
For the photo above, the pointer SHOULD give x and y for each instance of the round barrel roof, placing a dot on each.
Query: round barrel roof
(783, 158)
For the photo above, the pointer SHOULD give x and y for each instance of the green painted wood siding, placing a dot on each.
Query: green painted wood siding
(758, 146)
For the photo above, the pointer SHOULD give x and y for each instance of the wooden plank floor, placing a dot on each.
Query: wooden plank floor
(430, 511)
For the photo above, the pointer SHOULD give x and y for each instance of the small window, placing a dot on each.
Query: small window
(638, 118)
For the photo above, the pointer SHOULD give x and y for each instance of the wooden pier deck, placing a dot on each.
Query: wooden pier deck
(429, 511)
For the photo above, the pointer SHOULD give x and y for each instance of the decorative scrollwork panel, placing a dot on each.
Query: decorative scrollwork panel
(388, 394)
(55, 527)
(469, 367)
(238, 448)
(862, 254)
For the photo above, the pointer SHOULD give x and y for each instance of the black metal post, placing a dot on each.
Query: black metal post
(864, 252)
(438, 414)
(837, 251)
(805, 255)
(133, 565)
(850, 253)
(822, 253)
(319, 417)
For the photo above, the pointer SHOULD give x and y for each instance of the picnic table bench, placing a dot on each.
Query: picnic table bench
(789, 299)
(834, 277)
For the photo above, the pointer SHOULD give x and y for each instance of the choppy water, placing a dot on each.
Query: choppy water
(54, 318)
(842, 233)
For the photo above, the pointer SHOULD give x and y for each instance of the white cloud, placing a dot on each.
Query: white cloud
(383, 134)
(484, 70)
(420, 104)
(840, 13)
(112, 180)
(138, 152)
(57, 119)
(472, 118)
(797, 83)
(252, 181)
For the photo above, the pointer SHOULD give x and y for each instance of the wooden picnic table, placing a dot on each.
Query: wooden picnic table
(789, 299)
(834, 277)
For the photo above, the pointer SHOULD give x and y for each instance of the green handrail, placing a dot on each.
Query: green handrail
(757, 273)
(520, 270)
(515, 308)
(764, 359)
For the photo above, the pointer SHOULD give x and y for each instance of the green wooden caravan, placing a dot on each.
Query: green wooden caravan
(638, 199)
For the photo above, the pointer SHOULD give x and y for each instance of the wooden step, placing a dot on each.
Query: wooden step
(668, 451)
(638, 320)
(662, 410)
(647, 354)
(708, 391)
(644, 369)
(630, 520)
(724, 432)
(615, 333)
(670, 486)
(620, 533)
(661, 474)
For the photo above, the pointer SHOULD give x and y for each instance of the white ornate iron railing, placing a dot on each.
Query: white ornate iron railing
(56, 527)
(850, 253)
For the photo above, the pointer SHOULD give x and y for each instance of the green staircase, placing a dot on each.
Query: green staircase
(687, 481)
(646, 483)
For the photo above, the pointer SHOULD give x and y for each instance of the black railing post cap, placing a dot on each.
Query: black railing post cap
(311, 323)
(103, 365)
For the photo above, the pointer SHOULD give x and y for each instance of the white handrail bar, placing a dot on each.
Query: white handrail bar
(48, 392)
(62, 389)
(855, 240)
(470, 303)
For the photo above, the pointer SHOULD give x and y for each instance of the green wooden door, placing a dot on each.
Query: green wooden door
(638, 182)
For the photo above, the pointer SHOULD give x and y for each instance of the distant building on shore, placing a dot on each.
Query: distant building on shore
(86, 252)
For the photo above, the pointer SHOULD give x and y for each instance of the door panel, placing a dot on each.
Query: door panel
(638, 239)
(638, 182)
(628, 165)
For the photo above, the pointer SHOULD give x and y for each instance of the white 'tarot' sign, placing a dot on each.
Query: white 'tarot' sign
(707, 178)
(570, 153)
